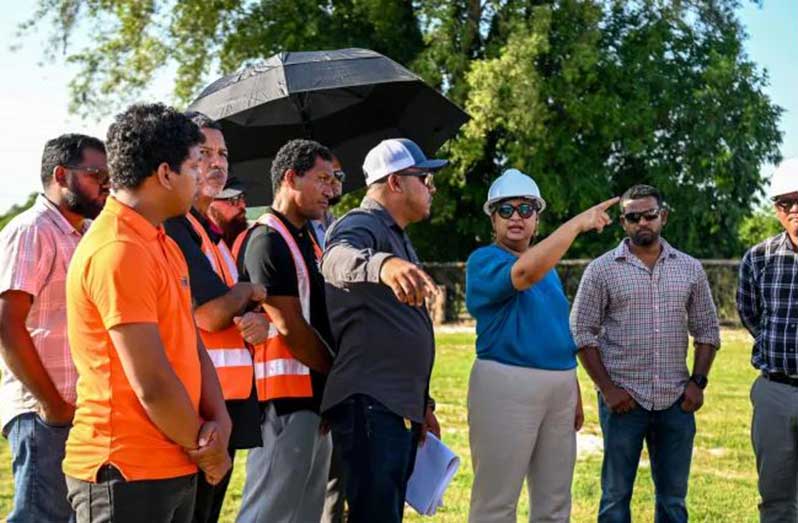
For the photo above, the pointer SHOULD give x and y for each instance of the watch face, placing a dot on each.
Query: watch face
(699, 380)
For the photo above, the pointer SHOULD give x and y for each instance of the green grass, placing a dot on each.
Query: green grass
(723, 479)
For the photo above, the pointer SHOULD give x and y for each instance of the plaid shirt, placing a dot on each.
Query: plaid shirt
(35, 249)
(767, 300)
(640, 318)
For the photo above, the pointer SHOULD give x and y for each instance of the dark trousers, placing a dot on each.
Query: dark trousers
(115, 500)
(668, 435)
(378, 451)
(210, 498)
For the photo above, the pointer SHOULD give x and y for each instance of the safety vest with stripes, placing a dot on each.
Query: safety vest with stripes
(227, 349)
(277, 373)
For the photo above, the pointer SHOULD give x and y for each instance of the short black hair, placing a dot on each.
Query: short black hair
(203, 121)
(143, 137)
(640, 191)
(65, 150)
(299, 155)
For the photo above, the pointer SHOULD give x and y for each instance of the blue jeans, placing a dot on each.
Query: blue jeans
(37, 450)
(378, 452)
(669, 437)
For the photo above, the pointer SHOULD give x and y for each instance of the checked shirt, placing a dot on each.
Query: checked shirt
(640, 319)
(767, 300)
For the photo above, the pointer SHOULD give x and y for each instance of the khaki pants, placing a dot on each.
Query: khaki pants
(521, 425)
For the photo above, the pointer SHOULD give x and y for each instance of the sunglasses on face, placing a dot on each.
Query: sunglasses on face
(101, 176)
(340, 175)
(524, 209)
(635, 217)
(426, 177)
(785, 204)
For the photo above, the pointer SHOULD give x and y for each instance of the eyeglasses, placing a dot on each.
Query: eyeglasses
(785, 204)
(340, 175)
(101, 176)
(426, 177)
(635, 217)
(524, 209)
(235, 200)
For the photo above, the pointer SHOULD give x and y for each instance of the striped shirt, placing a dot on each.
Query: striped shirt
(767, 300)
(639, 319)
(35, 249)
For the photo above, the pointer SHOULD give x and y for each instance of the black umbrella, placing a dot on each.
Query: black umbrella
(349, 100)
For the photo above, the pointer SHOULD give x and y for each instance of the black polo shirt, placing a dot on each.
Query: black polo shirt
(206, 285)
(266, 259)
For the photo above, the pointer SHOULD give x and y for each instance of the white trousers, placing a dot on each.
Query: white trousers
(521, 425)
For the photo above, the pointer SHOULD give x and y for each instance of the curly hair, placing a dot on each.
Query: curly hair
(66, 150)
(298, 155)
(143, 137)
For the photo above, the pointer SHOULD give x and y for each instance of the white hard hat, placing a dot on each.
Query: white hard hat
(785, 178)
(513, 184)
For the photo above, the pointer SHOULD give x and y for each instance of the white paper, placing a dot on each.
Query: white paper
(435, 467)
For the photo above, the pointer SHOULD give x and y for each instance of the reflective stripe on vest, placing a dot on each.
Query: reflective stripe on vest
(226, 348)
(277, 373)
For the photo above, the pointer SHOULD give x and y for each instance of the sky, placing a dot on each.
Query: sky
(34, 96)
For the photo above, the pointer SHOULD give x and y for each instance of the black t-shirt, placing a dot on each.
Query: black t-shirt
(206, 285)
(267, 259)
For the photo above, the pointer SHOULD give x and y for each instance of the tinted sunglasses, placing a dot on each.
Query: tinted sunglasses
(524, 209)
(340, 175)
(635, 217)
(234, 200)
(101, 176)
(785, 204)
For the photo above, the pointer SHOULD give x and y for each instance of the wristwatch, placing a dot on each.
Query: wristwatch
(700, 380)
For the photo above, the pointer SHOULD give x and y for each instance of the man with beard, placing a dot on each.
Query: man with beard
(226, 311)
(37, 391)
(631, 318)
(228, 211)
(767, 308)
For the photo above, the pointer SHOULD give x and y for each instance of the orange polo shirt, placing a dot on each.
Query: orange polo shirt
(125, 270)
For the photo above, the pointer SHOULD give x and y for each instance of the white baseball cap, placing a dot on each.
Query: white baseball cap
(395, 154)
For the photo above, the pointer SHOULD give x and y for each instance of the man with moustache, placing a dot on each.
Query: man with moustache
(228, 211)
(320, 226)
(631, 318)
(37, 391)
(287, 476)
(224, 308)
(377, 397)
(767, 307)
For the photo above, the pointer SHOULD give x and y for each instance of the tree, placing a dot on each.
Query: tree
(15, 210)
(587, 96)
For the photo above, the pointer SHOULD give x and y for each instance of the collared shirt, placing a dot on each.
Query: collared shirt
(35, 249)
(640, 318)
(385, 348)
(767, 300)
(126, 271)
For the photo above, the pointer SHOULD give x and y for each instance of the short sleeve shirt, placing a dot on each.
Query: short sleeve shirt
(35, 249)
(126, 271)
(526, 328)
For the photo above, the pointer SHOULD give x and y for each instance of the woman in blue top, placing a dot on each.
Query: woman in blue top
(524, 405)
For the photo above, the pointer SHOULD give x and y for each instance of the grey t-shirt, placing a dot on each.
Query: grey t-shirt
(385, 348)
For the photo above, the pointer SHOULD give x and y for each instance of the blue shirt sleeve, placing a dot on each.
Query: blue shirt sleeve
(488, 279)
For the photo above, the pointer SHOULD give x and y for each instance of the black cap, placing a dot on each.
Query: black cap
(232, 188)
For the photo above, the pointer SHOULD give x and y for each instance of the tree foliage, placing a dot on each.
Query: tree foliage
(587, 96)
(16, 209)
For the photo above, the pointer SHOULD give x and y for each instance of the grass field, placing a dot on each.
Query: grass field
(723, 480)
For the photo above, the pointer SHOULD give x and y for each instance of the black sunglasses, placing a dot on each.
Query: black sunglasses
(524, 209)
(340, 175)
(635, 217)
(785, 204)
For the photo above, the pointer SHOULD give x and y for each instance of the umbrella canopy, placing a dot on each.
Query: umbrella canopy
(349, 100)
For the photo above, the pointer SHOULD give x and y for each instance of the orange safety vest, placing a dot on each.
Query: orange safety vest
(277, 373)
(227, 349)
